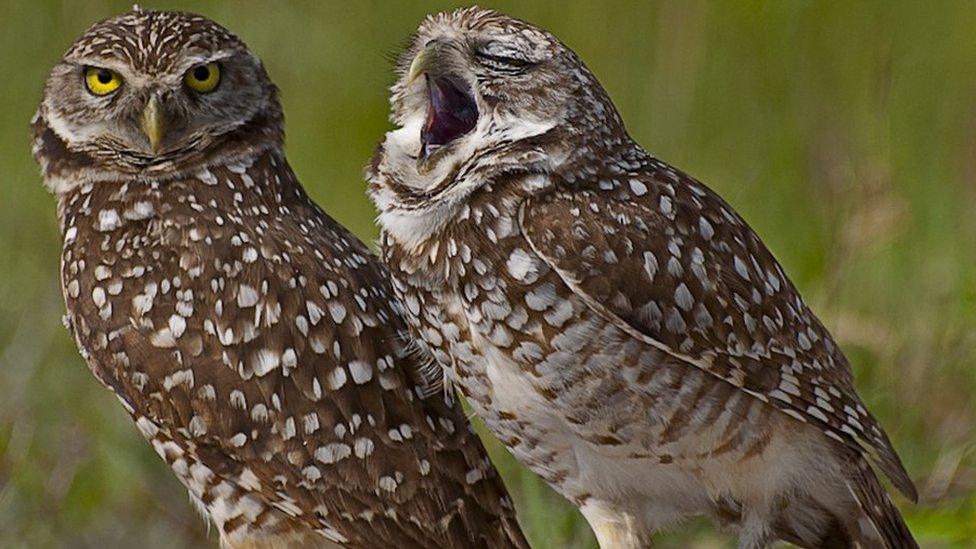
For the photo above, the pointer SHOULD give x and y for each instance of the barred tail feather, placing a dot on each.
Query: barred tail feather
(884, 457)
(880, 520)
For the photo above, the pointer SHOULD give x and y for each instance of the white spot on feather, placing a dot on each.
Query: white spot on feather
(108, 220)
(638, 187)
(264, 361)
(361, 371)
(520, 264)
(247, 296)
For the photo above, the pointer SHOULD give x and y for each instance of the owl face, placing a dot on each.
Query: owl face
(151, 90)
(473, 83)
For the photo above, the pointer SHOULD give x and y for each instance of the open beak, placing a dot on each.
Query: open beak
(452, 110)
(153, 123)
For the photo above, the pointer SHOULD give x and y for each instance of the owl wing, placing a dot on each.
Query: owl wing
(281, 366)
(281, 359)
(669, 262)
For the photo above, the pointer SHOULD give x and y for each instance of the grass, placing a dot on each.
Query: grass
(845, 133)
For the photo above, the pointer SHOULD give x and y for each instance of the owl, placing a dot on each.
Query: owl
(255, 342)
(617, 325)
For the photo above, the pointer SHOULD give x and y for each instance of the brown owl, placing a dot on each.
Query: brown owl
(618, 326)
(254, 341)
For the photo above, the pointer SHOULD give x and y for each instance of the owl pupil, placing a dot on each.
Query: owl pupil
(201, 73)
(104, 76)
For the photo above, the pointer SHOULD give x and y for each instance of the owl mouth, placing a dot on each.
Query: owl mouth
(451, 113)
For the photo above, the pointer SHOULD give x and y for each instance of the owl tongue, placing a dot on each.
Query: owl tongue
(451, 112)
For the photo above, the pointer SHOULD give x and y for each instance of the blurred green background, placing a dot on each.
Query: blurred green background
(844, 132)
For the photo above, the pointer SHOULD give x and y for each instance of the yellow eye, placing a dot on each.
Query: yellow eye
(203, 78)
(102, 81)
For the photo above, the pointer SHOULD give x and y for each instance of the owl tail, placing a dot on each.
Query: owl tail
(879, 523)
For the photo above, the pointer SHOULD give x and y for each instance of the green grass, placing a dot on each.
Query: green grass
(846, 134)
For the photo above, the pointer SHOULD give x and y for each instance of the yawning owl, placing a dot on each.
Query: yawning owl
(615, 322)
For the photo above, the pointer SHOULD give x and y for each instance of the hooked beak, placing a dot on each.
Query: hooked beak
(153, 123)
(421, 63)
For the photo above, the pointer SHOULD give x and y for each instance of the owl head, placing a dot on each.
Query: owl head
(477, 88)
(152, 93)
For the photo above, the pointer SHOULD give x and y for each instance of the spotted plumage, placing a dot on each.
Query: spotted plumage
(618, 326)
(255, 342)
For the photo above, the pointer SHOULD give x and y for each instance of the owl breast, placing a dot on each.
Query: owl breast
(566, 389)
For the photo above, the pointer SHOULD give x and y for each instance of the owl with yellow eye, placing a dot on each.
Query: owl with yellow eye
(254, 341)
(142, 109)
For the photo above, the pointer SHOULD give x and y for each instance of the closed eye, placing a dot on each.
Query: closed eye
(503, 62)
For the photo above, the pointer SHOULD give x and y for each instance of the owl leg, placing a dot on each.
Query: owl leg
(614, 528)
(755, 531)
